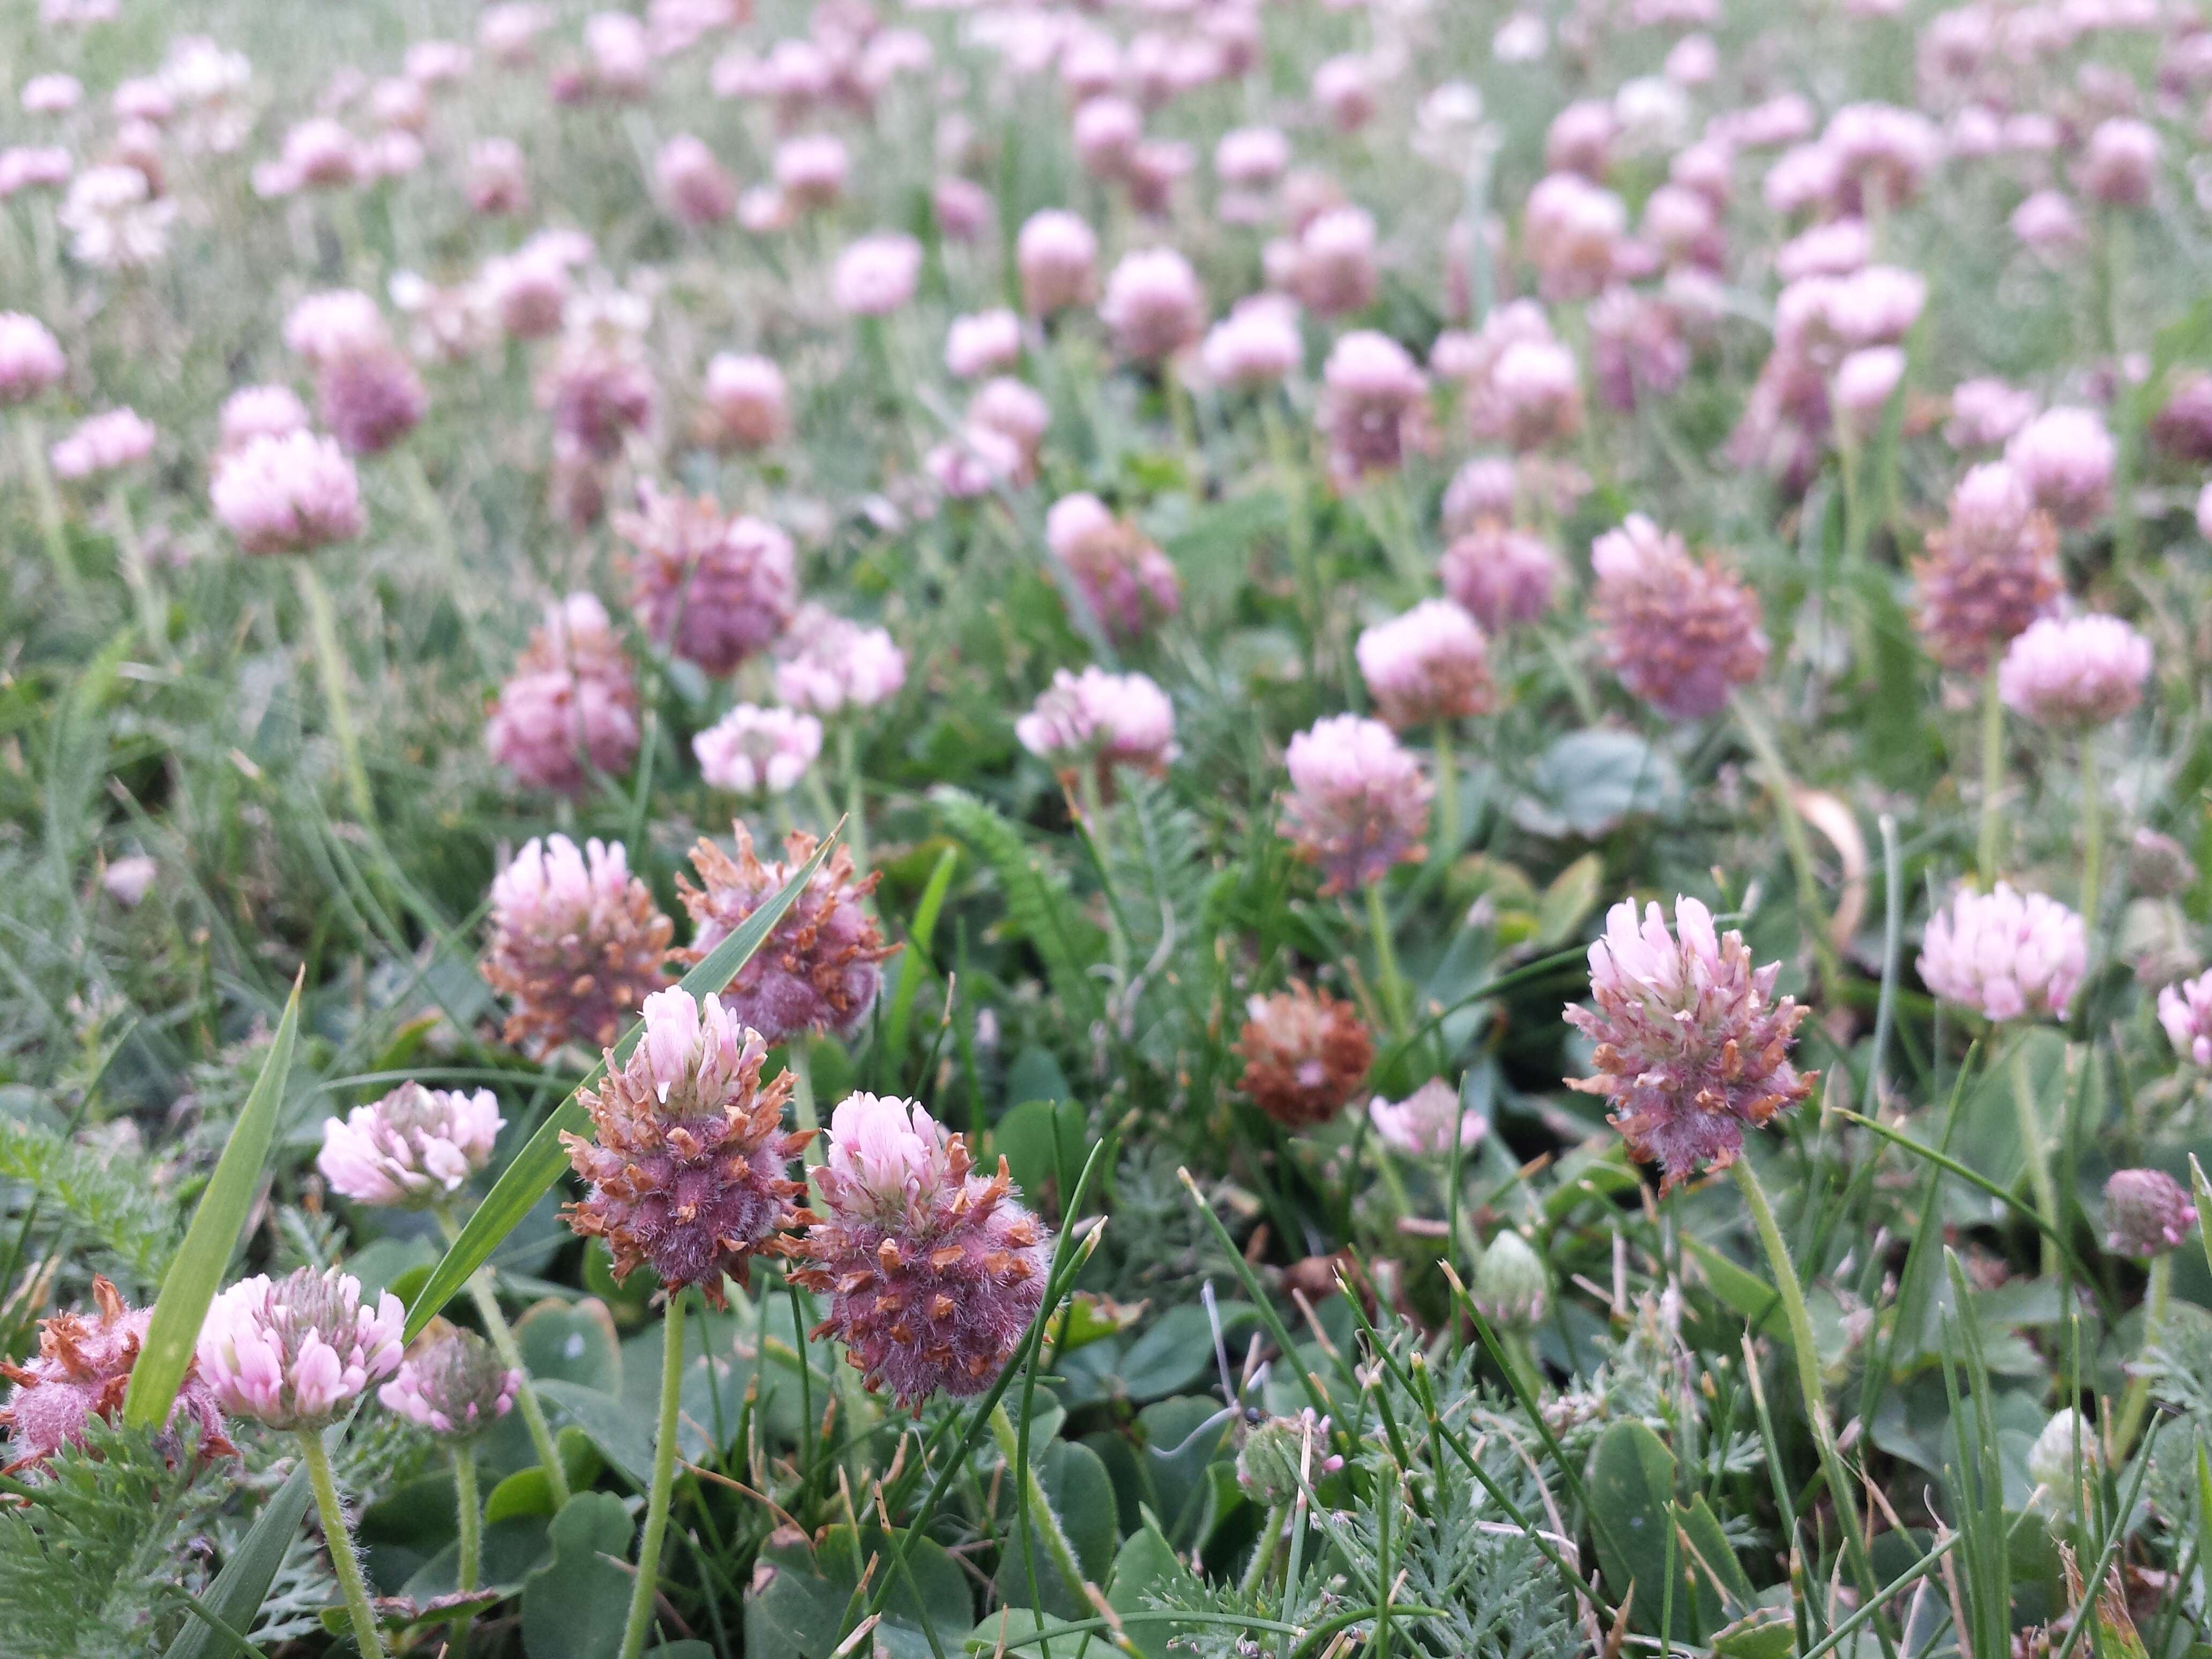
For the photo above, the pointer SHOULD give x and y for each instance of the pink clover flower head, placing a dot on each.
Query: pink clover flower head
(694, 185)
(1692, 1047)
(833, 666)
(572, 700)
(876, 275)
(577, 944)
(1101, 720)
(103, 444)
(933, 1273)
(1990, 571)
(294, 1353)
(712, 589)
(28, 166)
(1428, 665)
(749, 398)
(1256, 344)
(260, 411)
(752, 750)
(2075, 673)
(2004, 954)
(2184, 1008)
(2065, 457)
(290, 493)
(1681, 635)
(31, 359)
(1357, 802)
(1865, 382)
(452, 1383)
(2119, 164)
(2147, 1213)
(1985, 412)
(1502, 577)
(1374, 406)
(1057, 255)
(982, 344)
(1422, 1124)
(1153, 306)
(1572, 230)
(414, 1148)
(1127, 582)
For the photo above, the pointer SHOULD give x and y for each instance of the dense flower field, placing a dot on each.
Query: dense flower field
(1309, 828)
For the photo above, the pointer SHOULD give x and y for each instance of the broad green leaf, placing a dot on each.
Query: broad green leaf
(196, 1274)
(1631, 1484)
(539, 1164)
(796, 1607)
(574, 1607)
(626, 1441)
(1148, 1566)
(243, 1584)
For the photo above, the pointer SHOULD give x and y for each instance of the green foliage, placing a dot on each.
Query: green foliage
(107, 1202)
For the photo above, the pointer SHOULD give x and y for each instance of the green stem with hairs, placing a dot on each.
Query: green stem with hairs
(483, 1290)
(1263, 1552)
(1390, 984)
(848, 768)
(1447, 794)
(50, 508)
(1038, 1506)
(2092, 835)
(1298, 531)
(330, 665)
(344, 1562)
(1985, 852)
(648, 1586)
(2158, 1297)
(2032, 1149)
(152, 615)
(469, 1514)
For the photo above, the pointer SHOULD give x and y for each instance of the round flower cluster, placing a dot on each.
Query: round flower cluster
(2004, 954)
(1357, 803)
(577, 945)
(416, 1146)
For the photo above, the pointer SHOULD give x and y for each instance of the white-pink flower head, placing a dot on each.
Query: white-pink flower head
(1357, 802)
(982, 344)
(30, 358)
(294, 1353)
(1430, 664)
(694, 185)
(810, 170)
(884, 1152)
(1865, 381)
(2005, 954)
(452, 1384)
(1256, 344)
(260, 411)
(102, 444)
(834, 665)
(2185, 1010)
(290, 493)
(1251, 158)
(416, 1146)
(749, 398)
(1422, 1124)
(1099, 719)
(2074, 672)
(1571, 231)
(752, 750)
(1986, 411)
(1153, 305)
(876, 275)
(1057, 255)
(323, 328)
(2065, 457)
(2119, 164)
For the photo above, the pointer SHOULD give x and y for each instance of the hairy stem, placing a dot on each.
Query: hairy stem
(1038, 1506)
(664, 1481)
(1263, 1552)
(1985, 849)
(49, 504)
(344, 1562)
(483, 1290)
(2158, 1296)
(1447, 794)
(1392, 986)
(331, 666)
(2092, 835)
(469, 1514)
(2032, 1149)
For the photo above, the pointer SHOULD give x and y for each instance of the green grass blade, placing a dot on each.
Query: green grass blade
(240, 1588)
(914, 964)
(539, 1164)
(196, 1274)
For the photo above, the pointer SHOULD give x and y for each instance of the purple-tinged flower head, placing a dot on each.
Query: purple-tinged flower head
(82, 1371)
(1305, 1055)
(2182, 428)
(2075, 673)
(1357, 802)
(1834, 249)
(1057, 255)
(497, 180)
(1638, 351)
(1015, 412)
(753, 751)
(1374, 406)
(1571, 231)
(1879, 147)
(2119, 164)
(1345, 91)
(570, 707)
(53, 94)
(2184, 1008)
(1105, 132)
(577, 945)
(1990, 572)
(1536, 392)
(1503, 578)
(820, 968)
(103, 444)
(976, 461)
(509, 31)
(1335, 272)
(749, 400)
(1692, 1047)
(1103, 722)
(933, 1273)
(412, 1149)
(340, 323)
(1256, 344)
(2005, 955)
(810, 170)
(685, 1168)
(620, 53)
(287, 495)
(876, 275)
(1430, 664)
(1251, 158)
(367, 393)
(452, 1382)
(31, 358)
(1865, 382)
(433, 63)
(1423, 1124)
(528, 290)
(831, 665)
(1681, 635)
(2065, 457)
(1483, 490)
(2045, 223)
(1126, 581)
(260, 411)
(694, 186)
(1985, 412)
(2147, 1213)
(710, 589)
(598, 388)
(1580, 138)
(984, 343)
(1154, 306)
(33, 167)
(294, 1353)
(963, 208)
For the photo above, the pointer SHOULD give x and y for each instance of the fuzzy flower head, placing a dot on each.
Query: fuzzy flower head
(1126, 580)
(294, 1353)
(114, 220)
(752, 750)
(1422, 1125)
(571, 705)
(1154, 306)
(1257, 344)
(934, 1272)
(1990, 572)
(81, 1370)
(31, 358)
(2005, 955)
(2185, 1010)
(1503, 577)
(260, 411)
(1374, 406)
(1305, 1055)
(1057, 255)
(291, 494)
(452, 1382)
(1681, 635)
(685, 1168)
(876, 275)
(2065, 457)
(712, 589)
(2076, 673)
(1102, 721)
(415, 1147)
(1357, 802)
(834, 665)
(103, 444)
(2147, 1213)
(1693, 1047)
(1430, 664)
(819, 970)
(749, 399)
(577, 945)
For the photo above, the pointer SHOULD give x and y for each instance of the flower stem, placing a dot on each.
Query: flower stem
(1263, 1552)
(1392, 988)
(469, 1513)
(1039, 1507)
(50, 508)
(344, 1562)
(664, 1480)
(2157, 1296)
(483, 1290)
(2092, 835)
(849, 766)
(153, 614)
(1985, 853)
(1298, 531)
(2032, 1149)
(1778, 785)
(1447, 795)
(330, 665)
